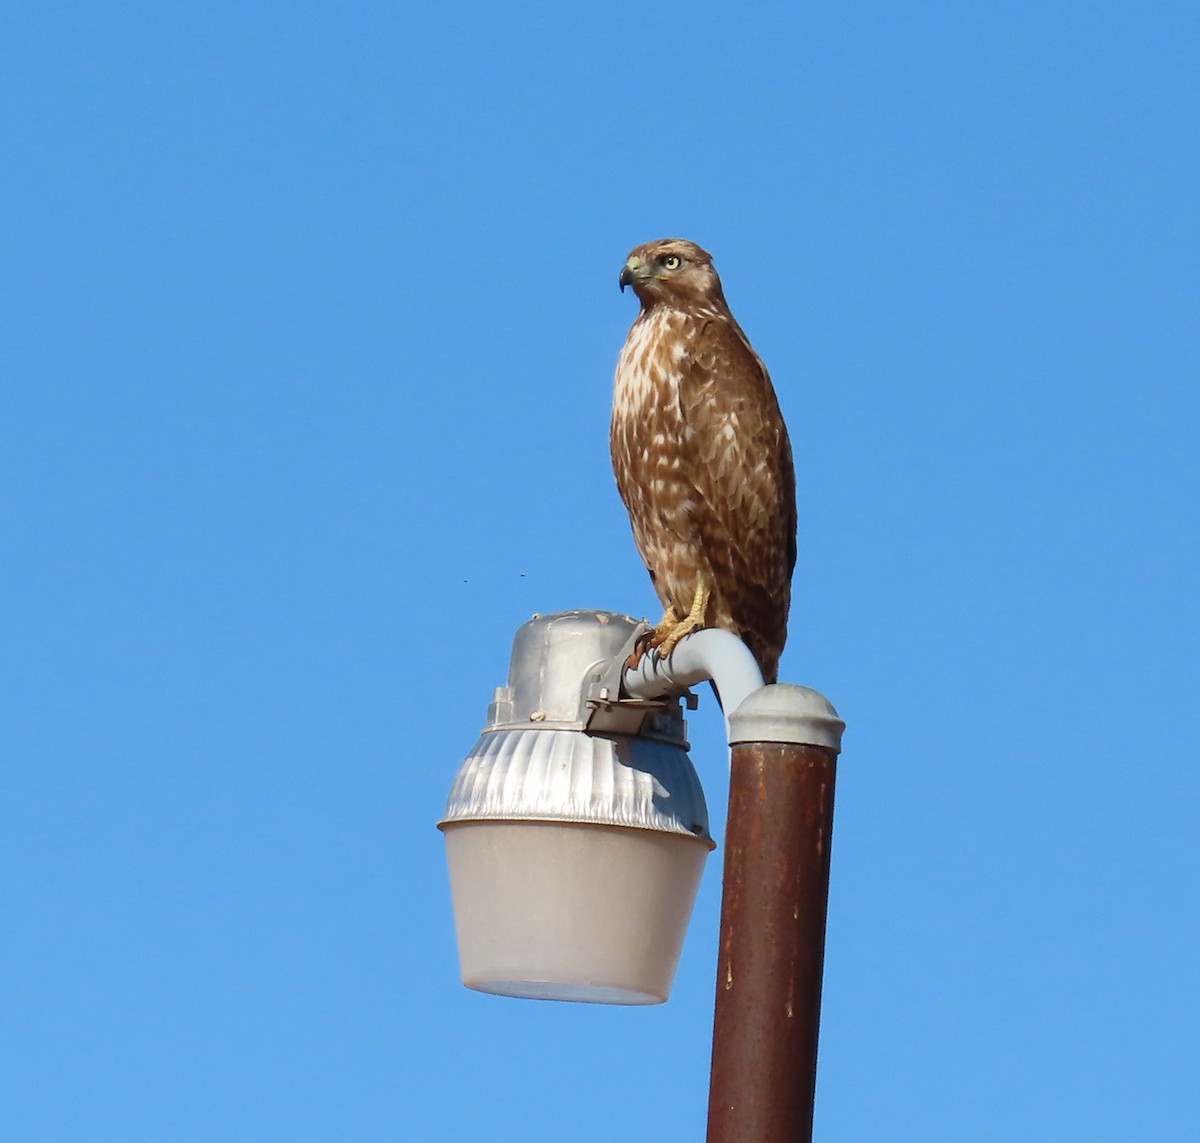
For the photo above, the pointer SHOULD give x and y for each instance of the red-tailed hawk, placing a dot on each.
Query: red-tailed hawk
(702, 458)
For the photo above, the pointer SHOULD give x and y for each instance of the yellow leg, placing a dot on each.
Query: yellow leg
(694, 621)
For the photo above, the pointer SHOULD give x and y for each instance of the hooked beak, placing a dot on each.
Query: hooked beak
(634, 270)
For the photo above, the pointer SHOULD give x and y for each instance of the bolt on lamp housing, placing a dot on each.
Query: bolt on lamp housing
(576, 829)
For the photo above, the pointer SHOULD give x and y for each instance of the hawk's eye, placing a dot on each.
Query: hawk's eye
(671, 262)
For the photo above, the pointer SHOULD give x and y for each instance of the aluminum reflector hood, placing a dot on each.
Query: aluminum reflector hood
(534, 761)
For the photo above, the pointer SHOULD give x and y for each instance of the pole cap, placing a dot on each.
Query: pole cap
(784, 712)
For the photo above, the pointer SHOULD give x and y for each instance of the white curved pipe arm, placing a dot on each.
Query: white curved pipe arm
(710, 654)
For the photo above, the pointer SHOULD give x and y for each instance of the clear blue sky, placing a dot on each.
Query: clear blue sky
(310, 318)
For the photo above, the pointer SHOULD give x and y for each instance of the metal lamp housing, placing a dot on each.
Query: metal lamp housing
(576, 829)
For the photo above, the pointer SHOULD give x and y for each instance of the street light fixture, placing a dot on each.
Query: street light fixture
(576, 829)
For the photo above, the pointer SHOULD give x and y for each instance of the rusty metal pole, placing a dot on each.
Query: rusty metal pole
(785, 742)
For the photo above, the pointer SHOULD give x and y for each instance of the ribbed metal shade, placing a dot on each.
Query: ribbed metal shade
(568, 776)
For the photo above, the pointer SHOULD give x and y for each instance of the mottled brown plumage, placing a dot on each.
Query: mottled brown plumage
(701, 456)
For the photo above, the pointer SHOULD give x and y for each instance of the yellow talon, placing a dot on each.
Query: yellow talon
(667, 635)
(652, 638)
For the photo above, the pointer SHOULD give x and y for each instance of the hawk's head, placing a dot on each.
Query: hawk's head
(673, 271)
